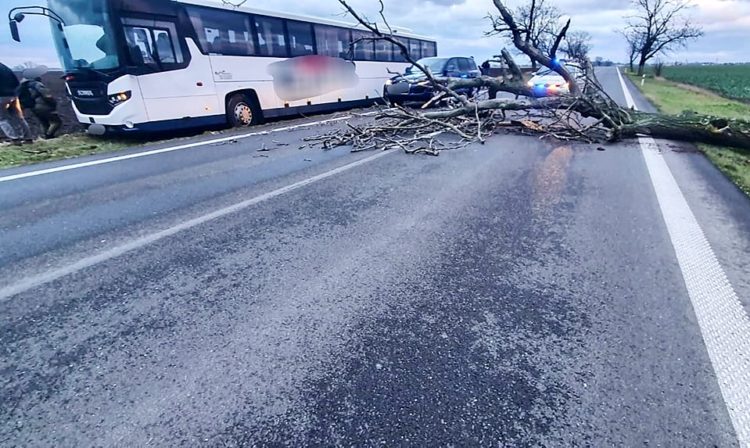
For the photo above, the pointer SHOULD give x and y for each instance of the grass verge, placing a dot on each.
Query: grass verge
(733, 162)
(672, 98)
(63, 147)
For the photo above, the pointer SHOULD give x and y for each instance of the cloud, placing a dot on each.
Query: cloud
(459, 26)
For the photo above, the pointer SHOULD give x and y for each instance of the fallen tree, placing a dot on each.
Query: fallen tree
(586, 114)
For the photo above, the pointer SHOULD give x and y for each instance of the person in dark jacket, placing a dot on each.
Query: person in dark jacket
(34, 95)
(485, 67)
(12, 123)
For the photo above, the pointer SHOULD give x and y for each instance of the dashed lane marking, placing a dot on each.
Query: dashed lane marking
(28, 283)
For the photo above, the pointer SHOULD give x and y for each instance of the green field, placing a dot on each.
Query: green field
(673, 99)
(731, 81)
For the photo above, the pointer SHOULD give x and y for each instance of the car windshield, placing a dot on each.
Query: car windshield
(434, 65)
(544, 71)
(86, 39)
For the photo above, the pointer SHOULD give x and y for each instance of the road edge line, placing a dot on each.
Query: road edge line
(724, 324)
(152, 152)
(7, 292)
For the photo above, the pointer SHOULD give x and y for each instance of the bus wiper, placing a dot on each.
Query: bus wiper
(93, 71)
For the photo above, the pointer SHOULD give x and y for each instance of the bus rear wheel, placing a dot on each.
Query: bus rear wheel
(242, 111)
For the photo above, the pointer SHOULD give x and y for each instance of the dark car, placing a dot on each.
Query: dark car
(414, 85)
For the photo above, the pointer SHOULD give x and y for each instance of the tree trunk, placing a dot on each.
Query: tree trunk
(687, 127)
(631, 60)
(642, 66)
(690, 127)
(558, 116)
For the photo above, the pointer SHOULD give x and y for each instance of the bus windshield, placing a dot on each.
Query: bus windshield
(88, 32)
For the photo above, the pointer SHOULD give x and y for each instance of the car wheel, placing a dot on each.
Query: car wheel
(390, 100)
(242, 111)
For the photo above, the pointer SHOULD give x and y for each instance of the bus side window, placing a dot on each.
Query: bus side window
(364, 47)
(222, 32)
(164, 47)
(428, 49)
(140, 45)
(343, 42)
(271, 40)
(152, 43)
(415, 49)
(211, 35)
(300, 38)
(383, 50)
(333, 41)
(397, 55)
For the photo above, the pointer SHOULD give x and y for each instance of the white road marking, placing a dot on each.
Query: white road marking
(723, 322)
(152, 152)
(33, 281)
(629, 101)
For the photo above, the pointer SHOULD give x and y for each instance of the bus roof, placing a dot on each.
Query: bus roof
(399, 31)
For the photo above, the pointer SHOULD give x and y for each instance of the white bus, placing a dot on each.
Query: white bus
(148, 65)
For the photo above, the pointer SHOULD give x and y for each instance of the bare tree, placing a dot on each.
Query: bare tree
(538, 22)
(577, 45)
(634, 44)
(25, 65)
(660, 26)
(506, 23)
(586, 114)
(658, 67)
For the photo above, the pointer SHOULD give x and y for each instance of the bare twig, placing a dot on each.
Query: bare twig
(587, 113)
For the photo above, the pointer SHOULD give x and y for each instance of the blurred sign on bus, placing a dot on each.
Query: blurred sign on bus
(310, 76)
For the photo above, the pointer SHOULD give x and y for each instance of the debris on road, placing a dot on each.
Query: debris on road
(587, 114)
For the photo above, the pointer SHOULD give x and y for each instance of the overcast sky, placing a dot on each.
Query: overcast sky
(458, 26)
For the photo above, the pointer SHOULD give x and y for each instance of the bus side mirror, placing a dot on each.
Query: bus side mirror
(14, 31)
(18, 18)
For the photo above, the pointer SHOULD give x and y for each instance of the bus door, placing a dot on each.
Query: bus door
(174, 77)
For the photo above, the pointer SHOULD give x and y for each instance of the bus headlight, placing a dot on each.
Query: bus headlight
(119, 98)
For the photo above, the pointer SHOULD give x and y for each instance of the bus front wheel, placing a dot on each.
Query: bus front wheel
(242, 111)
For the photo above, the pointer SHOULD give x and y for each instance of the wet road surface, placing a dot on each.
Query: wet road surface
(518, 293)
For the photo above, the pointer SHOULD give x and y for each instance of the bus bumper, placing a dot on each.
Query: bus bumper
(157, 126)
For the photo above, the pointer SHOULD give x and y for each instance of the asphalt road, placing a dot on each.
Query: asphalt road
(518, 293)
